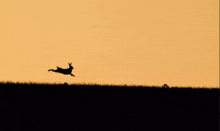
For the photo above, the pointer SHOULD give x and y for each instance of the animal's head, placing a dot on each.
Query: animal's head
(70, 65)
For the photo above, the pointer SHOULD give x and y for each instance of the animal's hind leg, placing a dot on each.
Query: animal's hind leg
(50, 70)
(72, 75)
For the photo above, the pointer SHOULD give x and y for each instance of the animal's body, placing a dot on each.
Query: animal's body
(67, 71)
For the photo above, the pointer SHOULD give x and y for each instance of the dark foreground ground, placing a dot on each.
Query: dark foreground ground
(106, 108)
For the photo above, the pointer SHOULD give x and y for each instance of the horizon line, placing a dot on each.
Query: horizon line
(84, 83)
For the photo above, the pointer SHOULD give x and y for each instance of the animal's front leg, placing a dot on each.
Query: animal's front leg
(72, 75)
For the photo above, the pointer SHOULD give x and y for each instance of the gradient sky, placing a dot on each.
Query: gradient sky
(144, 42)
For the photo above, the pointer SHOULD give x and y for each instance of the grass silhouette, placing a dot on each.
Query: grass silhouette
(98, 85)
(83, 106)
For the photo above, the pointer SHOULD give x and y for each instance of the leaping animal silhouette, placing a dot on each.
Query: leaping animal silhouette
(64, 71)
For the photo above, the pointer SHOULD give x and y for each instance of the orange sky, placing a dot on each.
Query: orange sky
(111, 41)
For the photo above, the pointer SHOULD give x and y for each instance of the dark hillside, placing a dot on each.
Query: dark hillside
(35, 106)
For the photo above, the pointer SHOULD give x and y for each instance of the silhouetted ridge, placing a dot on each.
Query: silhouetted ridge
(81, 106)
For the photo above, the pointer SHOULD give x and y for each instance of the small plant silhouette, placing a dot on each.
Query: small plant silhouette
(165, 86)
(64, 71)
